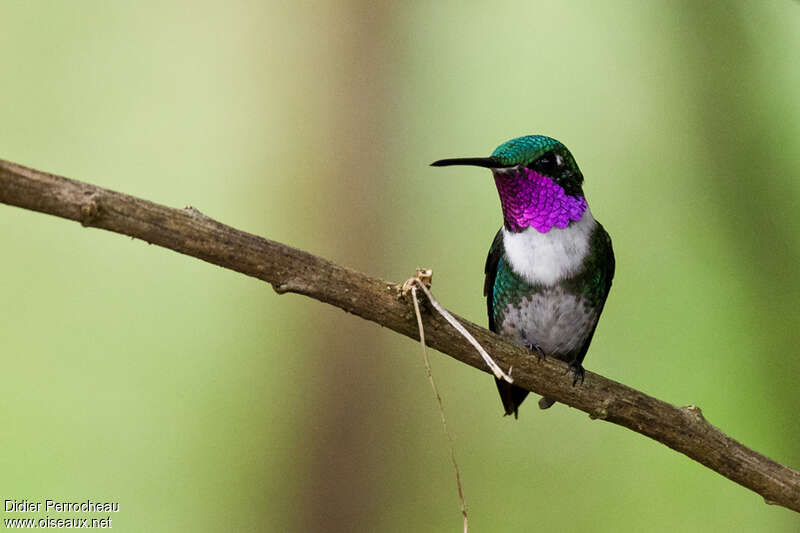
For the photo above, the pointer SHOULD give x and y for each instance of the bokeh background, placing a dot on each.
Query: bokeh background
(200, 400)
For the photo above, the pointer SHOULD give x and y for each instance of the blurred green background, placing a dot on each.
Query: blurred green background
(202, 401)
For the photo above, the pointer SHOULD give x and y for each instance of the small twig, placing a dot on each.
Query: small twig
(419, 282)
(425, 274)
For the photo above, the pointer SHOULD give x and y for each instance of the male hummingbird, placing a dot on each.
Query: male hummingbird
(550, 266)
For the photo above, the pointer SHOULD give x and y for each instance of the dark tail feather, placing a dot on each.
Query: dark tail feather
(511, 395)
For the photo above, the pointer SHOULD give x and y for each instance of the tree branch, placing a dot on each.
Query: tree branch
(290, 270)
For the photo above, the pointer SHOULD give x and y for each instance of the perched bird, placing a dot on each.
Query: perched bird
(550, 267)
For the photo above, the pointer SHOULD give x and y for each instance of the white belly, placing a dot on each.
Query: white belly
(558, 322)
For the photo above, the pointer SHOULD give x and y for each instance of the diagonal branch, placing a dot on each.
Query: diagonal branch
(291, 270)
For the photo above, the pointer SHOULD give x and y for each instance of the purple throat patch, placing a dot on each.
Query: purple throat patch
(532, 200)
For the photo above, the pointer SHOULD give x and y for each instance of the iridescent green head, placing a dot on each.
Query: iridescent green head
(543, 155)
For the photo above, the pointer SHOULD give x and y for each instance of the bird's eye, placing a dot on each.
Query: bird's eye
(548, 163)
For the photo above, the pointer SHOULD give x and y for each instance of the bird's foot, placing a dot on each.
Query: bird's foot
(536, 349)
(577, 372)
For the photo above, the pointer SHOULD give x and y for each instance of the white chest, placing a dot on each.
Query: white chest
(546, 258)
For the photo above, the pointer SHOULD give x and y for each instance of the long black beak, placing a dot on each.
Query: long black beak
(486, 162)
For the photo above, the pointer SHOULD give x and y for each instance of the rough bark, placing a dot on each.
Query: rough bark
(189, 232)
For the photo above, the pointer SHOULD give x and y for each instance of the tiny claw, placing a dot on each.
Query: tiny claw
(537, 349)
(577, 373)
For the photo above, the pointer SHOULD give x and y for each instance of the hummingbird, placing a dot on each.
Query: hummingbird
(551, 264)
